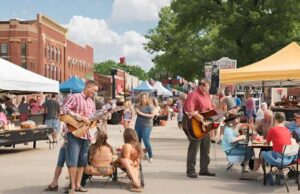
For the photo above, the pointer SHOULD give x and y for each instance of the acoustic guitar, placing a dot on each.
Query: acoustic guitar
(195, 129)
(80, 128)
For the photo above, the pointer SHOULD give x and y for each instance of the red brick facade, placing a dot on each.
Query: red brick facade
(41, 46)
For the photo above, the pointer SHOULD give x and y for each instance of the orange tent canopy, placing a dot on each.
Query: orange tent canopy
(281, 66)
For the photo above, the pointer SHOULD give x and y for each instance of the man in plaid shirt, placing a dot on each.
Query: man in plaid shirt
(82, 107)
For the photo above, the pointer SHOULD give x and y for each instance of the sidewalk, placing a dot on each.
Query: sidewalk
(27, 171)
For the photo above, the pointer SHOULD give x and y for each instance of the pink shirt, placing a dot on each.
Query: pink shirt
(250, 104)
(198, 101)
(79, 104)
(3, 118)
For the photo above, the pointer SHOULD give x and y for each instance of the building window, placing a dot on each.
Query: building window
(48, 52)
(52, 53)
(4, 50)
(23, 55)
(54, 73)
(55, 54)
(58, 56)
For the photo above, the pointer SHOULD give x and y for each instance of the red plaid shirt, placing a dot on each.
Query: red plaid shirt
(78, 105)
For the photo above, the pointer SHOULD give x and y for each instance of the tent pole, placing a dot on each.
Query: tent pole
(263, 90)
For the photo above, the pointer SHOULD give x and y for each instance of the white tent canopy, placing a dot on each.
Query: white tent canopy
(161, 91)
(16, 78)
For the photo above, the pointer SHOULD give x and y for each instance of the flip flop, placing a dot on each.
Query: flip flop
(81, 189)
(51, 188)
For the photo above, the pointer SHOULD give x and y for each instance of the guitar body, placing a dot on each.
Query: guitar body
(195, 129)
(80, 128)
(81, 131)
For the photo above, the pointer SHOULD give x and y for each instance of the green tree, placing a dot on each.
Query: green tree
(106, 66)
(193, 32)
(177, 52)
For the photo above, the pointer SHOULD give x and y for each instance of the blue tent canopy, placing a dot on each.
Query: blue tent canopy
(144, 87)
(73, 85)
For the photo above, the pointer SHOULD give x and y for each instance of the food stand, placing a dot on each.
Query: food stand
(285, 100)
(17, 80)
(280, 69)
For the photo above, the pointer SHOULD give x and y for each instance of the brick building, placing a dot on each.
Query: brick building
(42, 46)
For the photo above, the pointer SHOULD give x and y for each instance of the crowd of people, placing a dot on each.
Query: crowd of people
(92, 155)
(85, 157)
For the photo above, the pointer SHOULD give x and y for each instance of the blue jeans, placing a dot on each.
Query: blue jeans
(143, 133)
(240, 150)
(76, 151)
(275, 158)
(61, 156)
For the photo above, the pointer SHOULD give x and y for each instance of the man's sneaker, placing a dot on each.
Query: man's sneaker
(192, 175)
(150, 160)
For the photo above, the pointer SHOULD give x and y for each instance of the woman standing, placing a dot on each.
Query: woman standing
(250, 108)
(143, 124)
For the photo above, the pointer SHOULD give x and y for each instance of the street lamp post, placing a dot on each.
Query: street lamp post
(113, 73)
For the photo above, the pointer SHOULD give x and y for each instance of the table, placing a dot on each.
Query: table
(13, 137)
(262, 147)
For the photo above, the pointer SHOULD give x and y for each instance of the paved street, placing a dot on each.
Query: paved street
(27, 171)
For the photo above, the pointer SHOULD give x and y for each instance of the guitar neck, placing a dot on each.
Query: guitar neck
(102, 114)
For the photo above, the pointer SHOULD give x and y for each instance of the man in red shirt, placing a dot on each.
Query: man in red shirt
(198, 101)
(279, 136)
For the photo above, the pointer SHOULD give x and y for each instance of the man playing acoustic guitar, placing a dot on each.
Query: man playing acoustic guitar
(197, 102)
(82, 107)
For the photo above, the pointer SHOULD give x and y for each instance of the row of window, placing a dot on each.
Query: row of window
(53, 72)
(53, 53)
(79, 65)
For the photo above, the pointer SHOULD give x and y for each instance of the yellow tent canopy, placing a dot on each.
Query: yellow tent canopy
(284, 65)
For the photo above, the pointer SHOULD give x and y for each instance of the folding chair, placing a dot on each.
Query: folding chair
(116, 176)
(288, 150)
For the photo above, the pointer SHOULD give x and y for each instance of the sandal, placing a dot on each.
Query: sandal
(71, 191)
(51, 188)
(136, 189)
(81, 189)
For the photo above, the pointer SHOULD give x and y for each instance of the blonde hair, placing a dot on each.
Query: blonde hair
(140, 102)
(127, 104)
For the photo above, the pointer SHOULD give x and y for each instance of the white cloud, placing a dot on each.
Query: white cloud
(144, 10)
(108, 44)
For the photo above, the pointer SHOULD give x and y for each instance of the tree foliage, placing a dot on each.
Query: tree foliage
(106, 66)
(193, 32)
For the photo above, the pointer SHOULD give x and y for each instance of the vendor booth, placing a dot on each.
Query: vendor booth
(73, 85)
(17, 80)
(161, 91)
(144, 87)
(280, 69)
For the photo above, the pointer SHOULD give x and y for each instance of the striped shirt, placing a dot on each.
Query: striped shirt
(78, 105)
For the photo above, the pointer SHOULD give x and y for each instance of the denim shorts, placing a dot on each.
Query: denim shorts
(76, 151)
(53, 123)
(62, 156)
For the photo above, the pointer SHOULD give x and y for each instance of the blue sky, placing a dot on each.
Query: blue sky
(113, 27)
